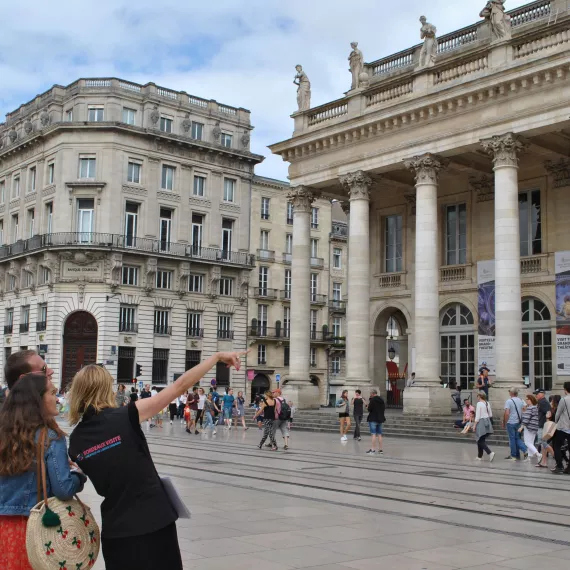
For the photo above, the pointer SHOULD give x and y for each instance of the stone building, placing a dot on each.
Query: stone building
(124, 228)
(269, 323)
(453, 157)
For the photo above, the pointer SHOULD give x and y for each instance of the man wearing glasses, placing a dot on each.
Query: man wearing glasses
(24, 362)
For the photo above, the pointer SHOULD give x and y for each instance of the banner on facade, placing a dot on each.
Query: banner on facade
(562, 270)
(486, 311)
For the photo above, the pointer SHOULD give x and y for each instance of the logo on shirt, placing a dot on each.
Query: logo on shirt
(99, 448)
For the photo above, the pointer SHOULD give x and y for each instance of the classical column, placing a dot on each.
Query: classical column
(298, 388)
(504, 150)
(427, 397)
(358, 310)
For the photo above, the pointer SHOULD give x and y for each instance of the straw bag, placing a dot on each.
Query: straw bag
(61, 535)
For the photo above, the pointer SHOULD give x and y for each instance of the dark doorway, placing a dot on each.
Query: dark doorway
(79, 345)
(126, 364)
(222, 375)
(259, 385)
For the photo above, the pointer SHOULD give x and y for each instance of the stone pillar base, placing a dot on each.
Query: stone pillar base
(304, 395)
(427, 401)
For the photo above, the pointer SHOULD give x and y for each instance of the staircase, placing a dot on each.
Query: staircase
(397, 425)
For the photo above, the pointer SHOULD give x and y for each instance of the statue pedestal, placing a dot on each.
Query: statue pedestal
(303, 394)
(427, 401)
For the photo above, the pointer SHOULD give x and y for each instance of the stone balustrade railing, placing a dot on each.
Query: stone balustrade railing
(548, 40)
(328, 112)
(464, 68)
(530, 12)
(534, 264)
(451, 273)
(383, 95)
(457, 39)
(393, 62)
(391, 280)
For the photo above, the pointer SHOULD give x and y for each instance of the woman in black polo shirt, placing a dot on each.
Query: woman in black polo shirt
(139, 530)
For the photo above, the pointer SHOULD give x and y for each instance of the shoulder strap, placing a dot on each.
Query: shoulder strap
(516, 410)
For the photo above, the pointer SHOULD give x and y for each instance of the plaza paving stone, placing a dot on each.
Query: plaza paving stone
(326, 505)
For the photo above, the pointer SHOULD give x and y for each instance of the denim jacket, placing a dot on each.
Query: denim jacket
(18, 493)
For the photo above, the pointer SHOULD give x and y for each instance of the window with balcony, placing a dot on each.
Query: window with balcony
(160, 365)
(337, 327)
(31, 223)
(164, 279)
(313, 356)
(313, 323)
(16, 187)
(129, 116)
(289, 244)
(264, 240)
(286, 321)
(131, 223)
(314, 286)
(2, 191)
(335, 365)
(225, 331)
(25, 319)
(166, 124)
(262, 311)
(1, 232)
(32, 179)
(197, 131)
(265, 208)
(49, 217)
(456, 234)
(130, 275)
(393, 244)
(85, 219)
(226, 140)
(199, 186)
(229, 190)
(41, 325)
(197, 233)
(194, 324)
(290, 213)
(314, 218)
(9, 320)
(161, 322)
(263, 280)
(261, 354)
(87, 167)
(226, 286)
(314, 247)
(337, 291)
(196, 283)
(286, 356)
(227, 234)
(287, 283)
(165, 228)
(51, 173)
(15, 228)
(530, 223)
(167, 181)
(95, 114)
(337, 258)
(134, 172)
(127, 319)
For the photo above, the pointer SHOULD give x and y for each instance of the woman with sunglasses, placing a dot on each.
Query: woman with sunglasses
(139, 522)
(29, 411)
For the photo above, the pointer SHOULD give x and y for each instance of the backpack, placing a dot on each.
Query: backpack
(285, 411)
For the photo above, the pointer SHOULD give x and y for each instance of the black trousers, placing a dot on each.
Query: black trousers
(145, 552)
(482, 446)
(357, 422)
(173, 409)
(559, 438)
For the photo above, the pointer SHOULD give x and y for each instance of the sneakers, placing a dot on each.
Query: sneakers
(557, 471)
(512, 459)
(196, 432)
(214, 432)
(170, 422)
(491, 456)
(370, 452)
(380, 452)
(478, 459)
(525, 455)
(344, 438)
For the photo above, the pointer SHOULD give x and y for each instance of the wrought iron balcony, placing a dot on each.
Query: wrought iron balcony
(262, 331)
(265, 293)
(225, 335)
(41, 326)
(337, 306)
(86, 240)
(8, 329)
(194, 333)
(265, 255)
(162, 329)
(317, 299)
(128, 327)
(320, 336)
(24, 327)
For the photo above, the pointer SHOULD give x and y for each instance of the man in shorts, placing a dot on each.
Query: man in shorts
(376, 418)
(545, 445)
(281, 425)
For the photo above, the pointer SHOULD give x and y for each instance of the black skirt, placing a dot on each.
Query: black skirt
(145, 552)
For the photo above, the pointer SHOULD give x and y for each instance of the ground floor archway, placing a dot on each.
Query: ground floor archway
(79, 345)
(259, 385)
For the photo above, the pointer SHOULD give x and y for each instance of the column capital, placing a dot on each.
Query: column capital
(358, 184)
(504, 149)
(426, 167)
(345, 205)
(302, 198)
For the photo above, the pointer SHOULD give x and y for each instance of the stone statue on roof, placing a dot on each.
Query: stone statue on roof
(428, 52)
(303, 89)
(500, 21)
(356, 60)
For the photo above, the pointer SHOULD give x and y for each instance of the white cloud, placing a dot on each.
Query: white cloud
(240, 53)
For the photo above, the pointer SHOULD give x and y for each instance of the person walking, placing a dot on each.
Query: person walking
(194, 400)
(282, 417)
(562, 434)
(139, 521)
(529, 426)
(483, 426)
(543, 415)
(512, 419)
(228, 402)
(376, 419)
(28, 416)
(209, 409)
(357, 413)
(173, 409)
(343, 414)
(182, 399)
(121, 398)
(267, 408)
(240, 405)
(201, 401)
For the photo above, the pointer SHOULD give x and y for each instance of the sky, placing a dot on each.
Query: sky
(240, 52)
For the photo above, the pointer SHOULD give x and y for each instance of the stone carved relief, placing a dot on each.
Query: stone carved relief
(12, 135)
(356, 65)
(411, 200)
(154, 115)
(81, 291)
(28, 127)
(217, 132)
(245, 140)
(243, 285)
(45, 119)
(357, 184)
(500, 22)
(80, 257)
(199, 202)
(230, 208)
(302, 198)
(484, 187)
(504, 149)
(226, 309)
(150, 271)
(426, 167)
(560, 172)
(215, 276)
(182, 279)
(51, 261)
(303, 89)
(428, 52)
(116, 263)
(31, 267)
(186, 123)
(134, 190)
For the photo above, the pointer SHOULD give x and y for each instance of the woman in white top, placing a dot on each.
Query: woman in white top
(182, 402)
(483, 426)
(200, 415)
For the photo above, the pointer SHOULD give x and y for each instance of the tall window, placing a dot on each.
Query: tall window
(227, 231)
(199, 186)
(51, 173)
(165, 228)
(161, 322)
(166, 124)
(1, 232)
(229, 190)
(129, 116)
(193, 358)
(49, 217)
(197, 131)
(194, 325)
(87, 167)
(289, 244)
(16, 187)
(314, 317)
(314, 286)
(130, 275)
(41, 325)
(314, 248)
(287, 283)
(69, 115)
(160, 365)
(393, 244)
(46, 275)
(530, 223)
(337, 291)
(32, 179)
(9, 326)
(262, 317)
(167, 182)
(290, 213)
(2, 192)
(225, 327)
(15, 228)
(286, 356)
(131, 224)
(263, 279)
(335, 365)
(456, 234)
(226, 140)
(264, 240)
(25, 319)
(85, 219)
(31, 222)
(95, 114)
(196, 283)
(313, 356)
(286, 321)
(264, 208)
(134, 172)
(125, 364)
(197, 233)
(226, 286)
(337, 258)
(261, 354)
(164, 279)
(127, 318)
(314, 218)
(337, 327)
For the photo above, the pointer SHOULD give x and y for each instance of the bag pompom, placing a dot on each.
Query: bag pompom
(50, 519)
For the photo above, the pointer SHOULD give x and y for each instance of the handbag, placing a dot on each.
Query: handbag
(549, 430)
(60, 534)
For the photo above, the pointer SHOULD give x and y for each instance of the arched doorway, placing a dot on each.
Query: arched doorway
(457, 343)
(536, 344)
(259, 385)
(79, 344)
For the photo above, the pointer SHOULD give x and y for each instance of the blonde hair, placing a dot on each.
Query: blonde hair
(92, 387)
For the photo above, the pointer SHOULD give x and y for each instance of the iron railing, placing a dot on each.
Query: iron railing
(193, 332)
(24, 327)
(8, 329)
(262, 331)
(265, 293)
(41, 326)
(127, 326)
(225, 335)
(162, 329)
